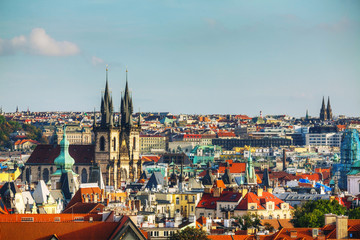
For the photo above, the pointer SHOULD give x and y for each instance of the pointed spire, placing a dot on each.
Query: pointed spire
(106, 105)
(94, 123)
(323, 112)
(126, 106)
(307, 115)
(329, 110)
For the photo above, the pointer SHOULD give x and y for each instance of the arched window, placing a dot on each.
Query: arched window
(177, 201)
(28, 174)
(114, 143)
(102, 143)
(134, 143)
(39, 173)
(45, 175)
(51, 170)
(84, 175)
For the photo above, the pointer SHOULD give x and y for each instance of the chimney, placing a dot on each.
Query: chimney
(284, 159)
(330, 218)
(315, 232)
(341, 227)
(259, 192)
(216, 192)
(293, 234)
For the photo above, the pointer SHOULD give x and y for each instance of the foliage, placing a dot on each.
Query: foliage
(8, 127)
(249, 220)
(189, 233)
(311, 214)
(354, 213)
(269, 227)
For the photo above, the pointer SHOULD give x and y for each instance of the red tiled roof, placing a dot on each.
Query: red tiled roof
(192, 136)
(251, 197)
(151, 158)
(78, 197)
(85, 208)
(301, 233)
(235, 167)
(18, 142)
(209, 201)
(63, 230)
(219, 184)
(46, 154)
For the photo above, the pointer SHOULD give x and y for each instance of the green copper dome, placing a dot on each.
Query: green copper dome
(64, 162)
(355, 168)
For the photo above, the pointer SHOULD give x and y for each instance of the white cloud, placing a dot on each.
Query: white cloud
(95, 60)
(38, 43)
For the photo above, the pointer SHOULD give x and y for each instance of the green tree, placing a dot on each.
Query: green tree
(248, 220)
(189, 233)
(311, 214)
(269, 227)
(354, 213)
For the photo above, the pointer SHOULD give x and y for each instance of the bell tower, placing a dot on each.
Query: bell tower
(107, 138)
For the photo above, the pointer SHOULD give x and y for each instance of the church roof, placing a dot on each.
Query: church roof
(46, 154)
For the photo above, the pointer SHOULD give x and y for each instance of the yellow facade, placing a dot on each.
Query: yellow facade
(9, 175)
(184, 203)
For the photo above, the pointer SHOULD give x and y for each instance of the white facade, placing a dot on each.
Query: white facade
(353, 184)
(323, 139)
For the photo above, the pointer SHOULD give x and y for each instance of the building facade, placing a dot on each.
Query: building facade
(153, 144)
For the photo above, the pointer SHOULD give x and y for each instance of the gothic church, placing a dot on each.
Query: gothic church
(117, 143)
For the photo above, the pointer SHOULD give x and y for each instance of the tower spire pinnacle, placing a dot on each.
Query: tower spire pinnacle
(323, 111)
(329, 110)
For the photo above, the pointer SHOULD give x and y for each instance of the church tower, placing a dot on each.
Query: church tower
(129, 154)
(328, 110)
(323, 111)
(107, 138)
(117, 143)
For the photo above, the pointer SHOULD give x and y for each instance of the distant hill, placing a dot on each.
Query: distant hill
(8, 127)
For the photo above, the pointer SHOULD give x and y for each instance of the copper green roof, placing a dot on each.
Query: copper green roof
(64, 162)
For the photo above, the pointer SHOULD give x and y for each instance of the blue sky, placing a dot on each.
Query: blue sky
(204, 56)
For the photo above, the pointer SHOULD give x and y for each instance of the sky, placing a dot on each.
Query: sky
(185, 56)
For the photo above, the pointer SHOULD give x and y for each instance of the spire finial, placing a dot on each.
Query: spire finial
(64, 133)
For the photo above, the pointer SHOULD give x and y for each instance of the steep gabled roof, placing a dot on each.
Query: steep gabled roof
(156, 179)
(251, 197)
(41, 192)
(79, 195)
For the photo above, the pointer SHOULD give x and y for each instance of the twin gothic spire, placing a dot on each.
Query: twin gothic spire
(325, 112)
(107, 110)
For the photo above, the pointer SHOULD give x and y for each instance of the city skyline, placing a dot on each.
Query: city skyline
(233, 57)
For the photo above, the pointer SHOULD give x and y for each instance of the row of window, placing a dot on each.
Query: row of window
(166, 233)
